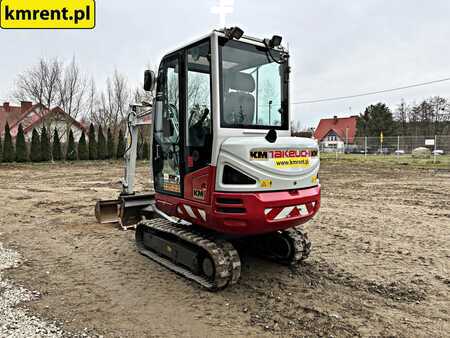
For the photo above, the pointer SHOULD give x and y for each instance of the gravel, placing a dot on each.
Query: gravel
(16, 321)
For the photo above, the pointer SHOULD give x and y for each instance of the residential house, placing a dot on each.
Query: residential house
(35, 116)
(335, 133)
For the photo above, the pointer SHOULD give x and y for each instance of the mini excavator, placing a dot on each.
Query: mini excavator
(225, 167)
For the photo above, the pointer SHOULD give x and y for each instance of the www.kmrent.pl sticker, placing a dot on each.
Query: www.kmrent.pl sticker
(47, 14)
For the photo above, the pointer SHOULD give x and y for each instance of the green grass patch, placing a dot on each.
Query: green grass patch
(442, 161)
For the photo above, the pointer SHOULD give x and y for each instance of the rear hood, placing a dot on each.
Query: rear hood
(287, 156)
(288, 163)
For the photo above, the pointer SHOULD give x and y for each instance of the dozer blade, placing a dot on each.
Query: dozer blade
(106, 211)
(127, 210)
(132, 208)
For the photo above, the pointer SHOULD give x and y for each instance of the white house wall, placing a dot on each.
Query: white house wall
(329, 145)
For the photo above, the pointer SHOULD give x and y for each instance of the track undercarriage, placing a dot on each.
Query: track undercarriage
(210, 261)
(214, 264)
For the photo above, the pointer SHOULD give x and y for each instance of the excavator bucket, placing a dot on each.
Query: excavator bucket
(106, 211)
(127, 210)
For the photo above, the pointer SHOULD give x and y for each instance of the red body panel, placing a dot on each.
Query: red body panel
(239, 213)
(200, 181)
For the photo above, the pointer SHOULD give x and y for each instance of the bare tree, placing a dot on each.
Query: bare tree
(92, 99)
(401, 116)
(40, 83)
(121, 97)
(54, 84)
(429, 117)
(441, 109)
(72, 89)
(112, 105)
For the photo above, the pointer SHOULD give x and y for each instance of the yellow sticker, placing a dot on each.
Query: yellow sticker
(314, 179)
(173, 187)
(51, 14)
(292, 162)
(266, 183)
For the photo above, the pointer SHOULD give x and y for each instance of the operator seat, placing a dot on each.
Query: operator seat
(239, 103)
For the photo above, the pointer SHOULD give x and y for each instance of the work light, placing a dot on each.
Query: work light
(234, 33)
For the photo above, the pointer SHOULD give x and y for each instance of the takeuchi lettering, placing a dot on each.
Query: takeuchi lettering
(262, 154)
(289, 153)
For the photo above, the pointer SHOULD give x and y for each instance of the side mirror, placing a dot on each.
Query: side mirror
(149, 80)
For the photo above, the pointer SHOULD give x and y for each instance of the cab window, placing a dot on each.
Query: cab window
(198, 96)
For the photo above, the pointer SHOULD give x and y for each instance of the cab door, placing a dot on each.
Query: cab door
(198, 182)
(168, 136)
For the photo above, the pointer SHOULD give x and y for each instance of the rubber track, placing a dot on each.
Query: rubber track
(224, 255)
(301, 243)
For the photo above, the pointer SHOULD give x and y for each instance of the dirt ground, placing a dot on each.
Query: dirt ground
(380, 263)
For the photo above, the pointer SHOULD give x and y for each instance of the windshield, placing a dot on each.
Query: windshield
(254, 87)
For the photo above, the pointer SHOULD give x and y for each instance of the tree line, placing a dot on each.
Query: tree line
(46, 147)
(58, 83)
(427, 118)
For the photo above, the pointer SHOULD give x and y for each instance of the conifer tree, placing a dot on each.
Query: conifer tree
(145, 151)
(101, 145)
(83, 153)
(121, 145)
(45, 145)
(56, 147)
(35, 151)
(71, 154)
(110, 145)
(21, 146)
(93, 153)
(8, 148)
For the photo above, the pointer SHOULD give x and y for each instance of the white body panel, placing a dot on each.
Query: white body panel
(235, 152)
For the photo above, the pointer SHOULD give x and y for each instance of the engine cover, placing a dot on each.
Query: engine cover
(288, 163)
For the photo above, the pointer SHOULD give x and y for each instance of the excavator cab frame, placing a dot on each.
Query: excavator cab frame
(214, 78)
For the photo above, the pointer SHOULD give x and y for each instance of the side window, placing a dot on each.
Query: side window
(166, 128)
(171, 106)
(172, 90)
(198, 119)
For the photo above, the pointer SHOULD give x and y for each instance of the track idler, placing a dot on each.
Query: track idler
(212, 263)
(290, 246)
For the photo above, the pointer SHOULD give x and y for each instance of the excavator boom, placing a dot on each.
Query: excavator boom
(129, 208)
